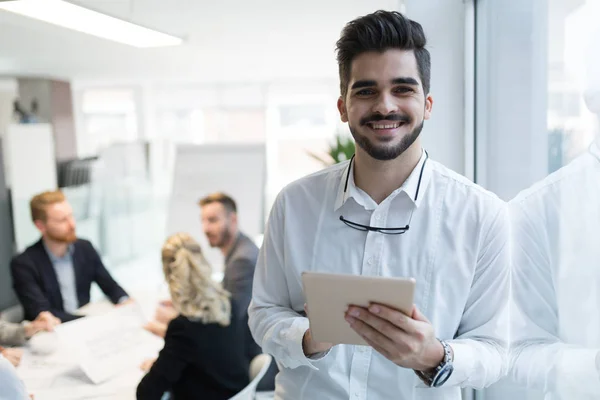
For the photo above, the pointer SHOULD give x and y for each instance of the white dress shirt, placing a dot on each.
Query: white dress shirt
(556, 282)
(456, 249)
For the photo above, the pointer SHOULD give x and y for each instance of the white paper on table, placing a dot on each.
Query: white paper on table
(81, 392)
(109, 344)
(70, 387)
(44, 371)
(86, 393)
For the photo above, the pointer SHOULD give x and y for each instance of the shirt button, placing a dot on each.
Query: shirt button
(377, 217)
(370, 261)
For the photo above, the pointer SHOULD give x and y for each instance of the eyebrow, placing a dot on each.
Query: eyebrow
(395, 81)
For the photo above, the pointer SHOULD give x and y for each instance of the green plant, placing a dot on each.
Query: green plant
(341, 150)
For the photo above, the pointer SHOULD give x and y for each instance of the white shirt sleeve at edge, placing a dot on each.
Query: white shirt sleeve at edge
(11, 386)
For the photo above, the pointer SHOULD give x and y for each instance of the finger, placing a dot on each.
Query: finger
(417, 315)
(378, 348)
(372, 336)
(381, 325)
(395, 317)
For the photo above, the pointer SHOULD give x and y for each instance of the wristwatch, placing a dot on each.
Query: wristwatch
(440, 374)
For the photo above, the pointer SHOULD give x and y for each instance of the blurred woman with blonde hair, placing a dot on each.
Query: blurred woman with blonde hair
(203, 356)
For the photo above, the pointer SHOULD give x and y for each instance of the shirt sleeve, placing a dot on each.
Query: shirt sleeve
(275, 326)
(481, 343)
(538, 358)
(12, 334)
(12, 386)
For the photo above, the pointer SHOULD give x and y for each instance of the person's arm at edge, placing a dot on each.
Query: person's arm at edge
(12, 334)
(10, 383)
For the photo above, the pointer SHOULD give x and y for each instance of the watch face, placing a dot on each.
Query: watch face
(443, 375)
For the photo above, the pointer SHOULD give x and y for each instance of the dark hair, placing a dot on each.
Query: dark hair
(381, 31)
(222, 198)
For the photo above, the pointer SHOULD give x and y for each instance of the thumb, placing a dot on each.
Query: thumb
(418, 316)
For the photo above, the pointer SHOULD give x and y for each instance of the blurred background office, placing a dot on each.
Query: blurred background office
(241, 98)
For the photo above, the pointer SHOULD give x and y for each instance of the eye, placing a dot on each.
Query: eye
(404, 89)
(365, 92)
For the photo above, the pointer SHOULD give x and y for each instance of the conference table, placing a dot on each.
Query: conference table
(51, 367)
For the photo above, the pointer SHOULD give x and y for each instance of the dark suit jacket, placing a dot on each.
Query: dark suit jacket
(198, 361)
(36, 284)
(239, 275)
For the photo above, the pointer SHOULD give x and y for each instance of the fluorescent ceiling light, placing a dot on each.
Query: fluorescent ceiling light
(84, 20)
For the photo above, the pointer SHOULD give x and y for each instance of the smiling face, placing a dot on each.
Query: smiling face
(385, 105)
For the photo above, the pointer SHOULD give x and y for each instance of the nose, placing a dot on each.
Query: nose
(385, 104)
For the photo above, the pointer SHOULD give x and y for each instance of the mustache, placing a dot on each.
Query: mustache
(378, 117)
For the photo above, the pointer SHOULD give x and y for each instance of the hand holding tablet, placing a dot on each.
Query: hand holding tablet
(328, 297)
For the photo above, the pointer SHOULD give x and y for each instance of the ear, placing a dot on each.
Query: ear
(341, 105)
(40, 225)
(234, 218)
(428, 106)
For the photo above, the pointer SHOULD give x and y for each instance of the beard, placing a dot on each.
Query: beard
(67, 238)
(221, 240)
(384, 152)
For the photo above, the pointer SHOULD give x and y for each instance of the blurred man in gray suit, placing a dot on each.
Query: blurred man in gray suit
(220, 225)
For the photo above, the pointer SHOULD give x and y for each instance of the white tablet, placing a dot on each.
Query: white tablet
(329, 295)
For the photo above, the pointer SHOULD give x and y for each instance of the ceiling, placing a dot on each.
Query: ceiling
(228, 40)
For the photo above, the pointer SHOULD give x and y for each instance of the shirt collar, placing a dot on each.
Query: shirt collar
(55, 258)
(409, 186)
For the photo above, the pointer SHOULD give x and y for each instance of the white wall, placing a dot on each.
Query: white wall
(444, 25)
(28, 147)
(8, 93)
(512, 137)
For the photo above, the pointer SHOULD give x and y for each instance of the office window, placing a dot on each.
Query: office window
(182, 126)
(108, 116)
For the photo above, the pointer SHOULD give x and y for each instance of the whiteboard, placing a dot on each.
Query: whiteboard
(31, 169)
(237, 170)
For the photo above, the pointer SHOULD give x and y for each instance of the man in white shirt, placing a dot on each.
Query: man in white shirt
(391, 212)
(556, 278)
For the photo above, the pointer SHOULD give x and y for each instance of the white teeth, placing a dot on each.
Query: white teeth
(392, 126)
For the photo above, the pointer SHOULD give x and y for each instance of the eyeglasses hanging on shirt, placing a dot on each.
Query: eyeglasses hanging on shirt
(387, 231)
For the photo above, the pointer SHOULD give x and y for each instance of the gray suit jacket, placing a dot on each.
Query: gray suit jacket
(238, 278)
(11, 334)
(239, 272)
